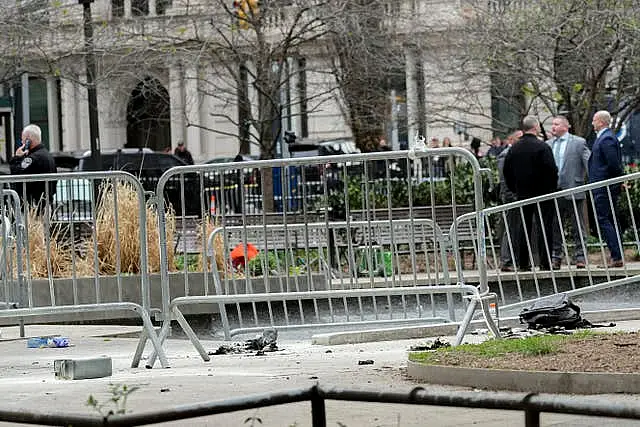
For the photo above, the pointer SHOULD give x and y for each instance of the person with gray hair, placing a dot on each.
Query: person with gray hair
(530, 171)
(605, 163)
(32, 158)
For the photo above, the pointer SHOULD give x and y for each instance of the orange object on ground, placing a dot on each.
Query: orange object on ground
(237, 254)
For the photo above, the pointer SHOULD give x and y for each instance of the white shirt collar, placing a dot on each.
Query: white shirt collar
(600, 132)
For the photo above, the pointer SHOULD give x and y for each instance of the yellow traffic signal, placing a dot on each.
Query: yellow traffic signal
(245, 11)
(253, 7)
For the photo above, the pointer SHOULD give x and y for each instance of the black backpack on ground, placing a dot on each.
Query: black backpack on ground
(553, 311)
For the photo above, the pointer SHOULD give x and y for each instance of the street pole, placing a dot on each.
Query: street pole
(96, 159)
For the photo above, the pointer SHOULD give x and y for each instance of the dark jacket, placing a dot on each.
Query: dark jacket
(605, 161)
(38, 161)
(529, 168)
(506, 195)
(184, 155)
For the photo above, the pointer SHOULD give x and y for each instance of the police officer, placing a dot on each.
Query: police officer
(33, 158)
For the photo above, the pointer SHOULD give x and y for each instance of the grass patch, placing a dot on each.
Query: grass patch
(531, 346)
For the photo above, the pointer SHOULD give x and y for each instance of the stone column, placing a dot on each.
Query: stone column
(83, 139)
(24, 82)
(152, 7)
(294, 78)
(176, 104)
(413, 109)
(192, 111)
(53, 114)
(69, 108)
(127, 8)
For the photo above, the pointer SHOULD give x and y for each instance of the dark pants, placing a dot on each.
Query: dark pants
(513, 224)
(530, 213)
(568, 215)
(606, 218)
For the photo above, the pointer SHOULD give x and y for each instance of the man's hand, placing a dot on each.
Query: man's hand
(21, 151)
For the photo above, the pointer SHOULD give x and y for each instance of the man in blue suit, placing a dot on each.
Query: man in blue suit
(605, 163)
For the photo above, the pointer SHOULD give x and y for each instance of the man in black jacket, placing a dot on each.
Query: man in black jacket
(529, 171)
(33, 158)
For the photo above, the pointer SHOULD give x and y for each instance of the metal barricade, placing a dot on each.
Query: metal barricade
(564, 245)
(80, 248)
(11, 252)
(346, 227)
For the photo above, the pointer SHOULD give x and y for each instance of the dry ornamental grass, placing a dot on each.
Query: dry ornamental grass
(105, 245)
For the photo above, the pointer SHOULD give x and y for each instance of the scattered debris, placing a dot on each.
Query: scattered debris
(624, 344)
(265, 343)
(365, 362)
(81, 369)
(48, 342)
(438, 343)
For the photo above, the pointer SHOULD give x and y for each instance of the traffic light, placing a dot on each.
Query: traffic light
(240, 14)
(245, 11)
(252, 7)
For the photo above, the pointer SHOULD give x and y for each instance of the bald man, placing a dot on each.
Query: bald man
(605, 163)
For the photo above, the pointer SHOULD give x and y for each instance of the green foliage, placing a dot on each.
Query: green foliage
(271, 260)
(531, 346)
(117, 404)
(192, 262)
(277, 262)
(397, 192)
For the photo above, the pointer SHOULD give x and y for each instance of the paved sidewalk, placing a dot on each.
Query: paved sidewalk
(27, 381)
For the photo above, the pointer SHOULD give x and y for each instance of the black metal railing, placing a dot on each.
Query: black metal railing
(531, 404)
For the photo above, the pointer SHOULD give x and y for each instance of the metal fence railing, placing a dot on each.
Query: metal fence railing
(578, 241)
(531, 404)
(50, 272)
(340, 235)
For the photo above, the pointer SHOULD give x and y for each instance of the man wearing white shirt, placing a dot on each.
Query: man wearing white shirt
(572, 159)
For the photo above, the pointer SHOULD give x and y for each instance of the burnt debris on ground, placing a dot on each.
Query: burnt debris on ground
(436, 344)
(265, 343)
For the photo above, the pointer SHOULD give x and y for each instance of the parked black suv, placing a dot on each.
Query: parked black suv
(148, 166)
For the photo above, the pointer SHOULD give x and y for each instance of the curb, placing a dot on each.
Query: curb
(448, 329)
(526, 381)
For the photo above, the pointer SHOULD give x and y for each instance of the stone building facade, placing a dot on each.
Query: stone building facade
(185, 108)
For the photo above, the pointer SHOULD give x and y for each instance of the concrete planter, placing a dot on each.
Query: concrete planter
(526, 381)
(87, 290)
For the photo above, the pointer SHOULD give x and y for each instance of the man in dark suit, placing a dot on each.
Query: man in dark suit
(508, 243)
(572, 159)
(605, 163)
(530, 171)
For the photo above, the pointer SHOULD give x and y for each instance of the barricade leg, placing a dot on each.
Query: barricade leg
(464, 325)
(162, 336)
(473, 304)
(142, 342)
(191, 334)
(164, 333)
(150, 334)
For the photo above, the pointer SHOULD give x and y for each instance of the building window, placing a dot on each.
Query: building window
(302, 93)
(139, 7)
(117, 8)
(507, 104)
(162, 6)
